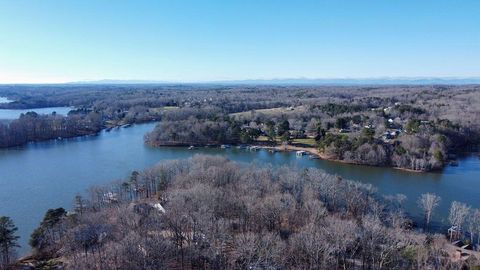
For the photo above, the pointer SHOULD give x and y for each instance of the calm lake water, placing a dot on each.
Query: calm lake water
(45, 175)
(14, 114)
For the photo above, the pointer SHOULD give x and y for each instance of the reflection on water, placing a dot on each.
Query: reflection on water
(44, 175)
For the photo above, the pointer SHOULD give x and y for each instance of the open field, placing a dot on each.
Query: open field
(271, 112)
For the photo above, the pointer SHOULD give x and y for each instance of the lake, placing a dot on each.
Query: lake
(46, 175)
(8, 114)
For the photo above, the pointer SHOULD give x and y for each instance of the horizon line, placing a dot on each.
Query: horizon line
(294, 80)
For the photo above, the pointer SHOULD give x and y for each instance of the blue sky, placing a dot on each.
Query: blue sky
(58, 41)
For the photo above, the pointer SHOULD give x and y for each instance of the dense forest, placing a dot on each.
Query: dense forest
(419, 128)
(210, 213)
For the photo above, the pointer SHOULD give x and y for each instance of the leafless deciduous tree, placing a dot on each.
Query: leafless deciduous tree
(212, 213)
(428, 202)
(457, 216)
(474, 226)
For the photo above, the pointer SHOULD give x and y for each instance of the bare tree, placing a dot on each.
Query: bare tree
(458, 213)
(216, 214)
(474, 225)
(428, 202)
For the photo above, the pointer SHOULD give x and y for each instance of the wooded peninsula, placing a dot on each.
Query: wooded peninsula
(207, 212)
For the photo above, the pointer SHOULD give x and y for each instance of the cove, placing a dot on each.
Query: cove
(44, 175)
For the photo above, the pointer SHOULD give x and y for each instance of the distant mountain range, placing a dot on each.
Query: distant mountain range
(306, 81)
(121, 82)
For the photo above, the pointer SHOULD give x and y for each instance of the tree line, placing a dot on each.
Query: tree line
(34, 127)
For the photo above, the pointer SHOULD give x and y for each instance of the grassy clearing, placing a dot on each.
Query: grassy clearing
(308, 141)
(165, 108)
(262, 139)
(270, 112)
(170, 107)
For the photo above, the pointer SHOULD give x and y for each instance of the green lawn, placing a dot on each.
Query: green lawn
(271, 112)
(308, 141)
(165, 108)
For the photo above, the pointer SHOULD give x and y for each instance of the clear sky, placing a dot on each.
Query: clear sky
(175, 40)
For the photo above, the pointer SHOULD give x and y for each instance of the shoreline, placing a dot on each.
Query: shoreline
(104, 128)
(291, 148)
(315, 152)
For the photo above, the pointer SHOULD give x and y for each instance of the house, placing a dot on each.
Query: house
(300, 153)
(110, 197)
(159, 207)
(458, 243)
(387, 135)
(455, 231)
(299, 134)
(461, 255)
(467, 247)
